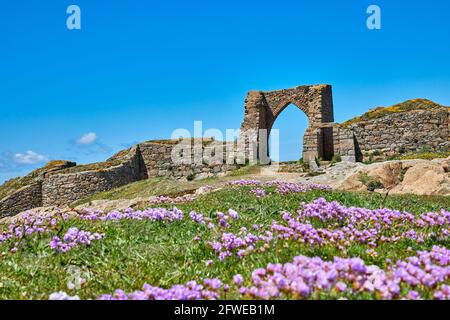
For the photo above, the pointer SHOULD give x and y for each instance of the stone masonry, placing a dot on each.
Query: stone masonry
(402, 132)
(157, 159)
(148, 159)
(23, 199)
(389, 134)
(263, 108)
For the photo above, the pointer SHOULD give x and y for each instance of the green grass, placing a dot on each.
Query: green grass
(427, 155)
(371, 183)
(421, 155)
(165, 186)
(135, 252)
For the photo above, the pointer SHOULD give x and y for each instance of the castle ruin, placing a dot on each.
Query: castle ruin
(406, 127)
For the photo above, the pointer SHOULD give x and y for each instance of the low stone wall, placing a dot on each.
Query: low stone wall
(61, 189)
(199, 160)
(23, 199)
(402, 132)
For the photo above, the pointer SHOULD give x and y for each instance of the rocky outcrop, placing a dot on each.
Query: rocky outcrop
(421, 177)
(425, 179)
(118, 205)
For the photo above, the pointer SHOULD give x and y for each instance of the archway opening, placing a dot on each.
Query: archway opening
(291, 124)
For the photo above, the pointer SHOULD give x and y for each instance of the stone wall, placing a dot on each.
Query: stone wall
(23, 199)
(345, 144)
(402, 132)
(60, 189)
(198, 160)
(149, 159)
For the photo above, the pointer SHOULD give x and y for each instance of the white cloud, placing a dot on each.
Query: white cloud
(29, 157)
(87, 139)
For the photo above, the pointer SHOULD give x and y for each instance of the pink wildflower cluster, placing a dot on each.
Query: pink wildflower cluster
(197, 217)
(223, 219)
(259, 193)
(243, 183)
(282, 187)
(209, 290)
(242, 244)
(422, 276)
(307, 277)
(31, 223)
(443, 293)
(155, 214)
(61, 295)
(170, 200)
(287, 187)
(358, 225)
(73, 238)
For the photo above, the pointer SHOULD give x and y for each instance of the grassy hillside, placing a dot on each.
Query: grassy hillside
(163, 254)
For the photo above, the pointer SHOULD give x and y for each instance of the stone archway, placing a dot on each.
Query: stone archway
(262, 109)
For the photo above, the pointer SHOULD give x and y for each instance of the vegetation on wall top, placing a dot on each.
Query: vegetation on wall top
(12, 185)
(407, 106)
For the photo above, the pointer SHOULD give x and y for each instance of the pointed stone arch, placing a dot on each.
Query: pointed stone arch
(263, 108)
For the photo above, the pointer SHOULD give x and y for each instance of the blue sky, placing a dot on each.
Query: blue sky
(140, 69)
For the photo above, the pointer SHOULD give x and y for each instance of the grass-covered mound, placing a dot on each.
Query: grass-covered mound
(164, 250)
(407, 106)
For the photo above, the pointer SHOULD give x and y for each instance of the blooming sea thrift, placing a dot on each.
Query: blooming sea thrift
(72, 238)
(354, 241)
(155, 214)
(209, 290)
(308, 277)
(31, 224)
(358, 225)
(282, 187)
